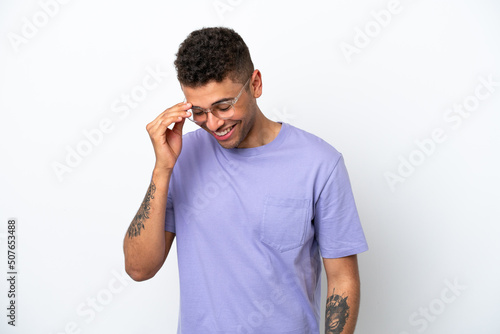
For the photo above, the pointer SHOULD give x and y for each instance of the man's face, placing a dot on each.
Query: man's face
(230, 133)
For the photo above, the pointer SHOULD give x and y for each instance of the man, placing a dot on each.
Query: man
(252, 203)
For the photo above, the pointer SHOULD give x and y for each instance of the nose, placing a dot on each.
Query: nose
(213, 123)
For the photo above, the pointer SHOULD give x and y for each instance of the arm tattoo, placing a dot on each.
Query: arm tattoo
(143, 213)
(337, 312)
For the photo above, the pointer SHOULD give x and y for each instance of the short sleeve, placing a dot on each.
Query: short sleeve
(336, 222)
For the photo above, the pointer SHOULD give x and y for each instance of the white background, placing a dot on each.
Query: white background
(439, 227)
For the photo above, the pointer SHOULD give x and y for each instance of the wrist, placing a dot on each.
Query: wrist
(161, 172)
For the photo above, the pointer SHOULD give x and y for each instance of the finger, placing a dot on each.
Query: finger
(167, 119)
(160, 127)
(178, 108)
(177, 129)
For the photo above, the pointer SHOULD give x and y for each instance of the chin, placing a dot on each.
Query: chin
(230, 144)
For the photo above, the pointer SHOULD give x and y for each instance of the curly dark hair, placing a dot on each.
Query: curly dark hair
(214, 53)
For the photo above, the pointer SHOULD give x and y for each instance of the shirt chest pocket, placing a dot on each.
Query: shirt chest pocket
(284, 222)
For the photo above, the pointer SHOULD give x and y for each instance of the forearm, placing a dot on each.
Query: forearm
(144, 242)
(342, 306)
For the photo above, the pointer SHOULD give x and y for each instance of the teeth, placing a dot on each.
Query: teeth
(220, 134)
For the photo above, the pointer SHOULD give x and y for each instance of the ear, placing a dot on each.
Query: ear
(256, 84)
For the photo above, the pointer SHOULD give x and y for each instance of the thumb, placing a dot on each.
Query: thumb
(177, 129)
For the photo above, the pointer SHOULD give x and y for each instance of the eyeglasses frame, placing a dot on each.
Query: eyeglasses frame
(209, 110)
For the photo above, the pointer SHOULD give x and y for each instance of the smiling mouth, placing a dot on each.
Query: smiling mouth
(225, 132)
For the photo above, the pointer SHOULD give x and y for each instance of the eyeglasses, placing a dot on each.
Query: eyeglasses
(222, 110)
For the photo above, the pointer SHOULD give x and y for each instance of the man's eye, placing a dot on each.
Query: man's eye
(197, 112)
(223, 107)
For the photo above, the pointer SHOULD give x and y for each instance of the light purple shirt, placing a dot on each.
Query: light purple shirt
(250, 225)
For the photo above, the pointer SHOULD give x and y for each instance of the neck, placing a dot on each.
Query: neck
(263, 132)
